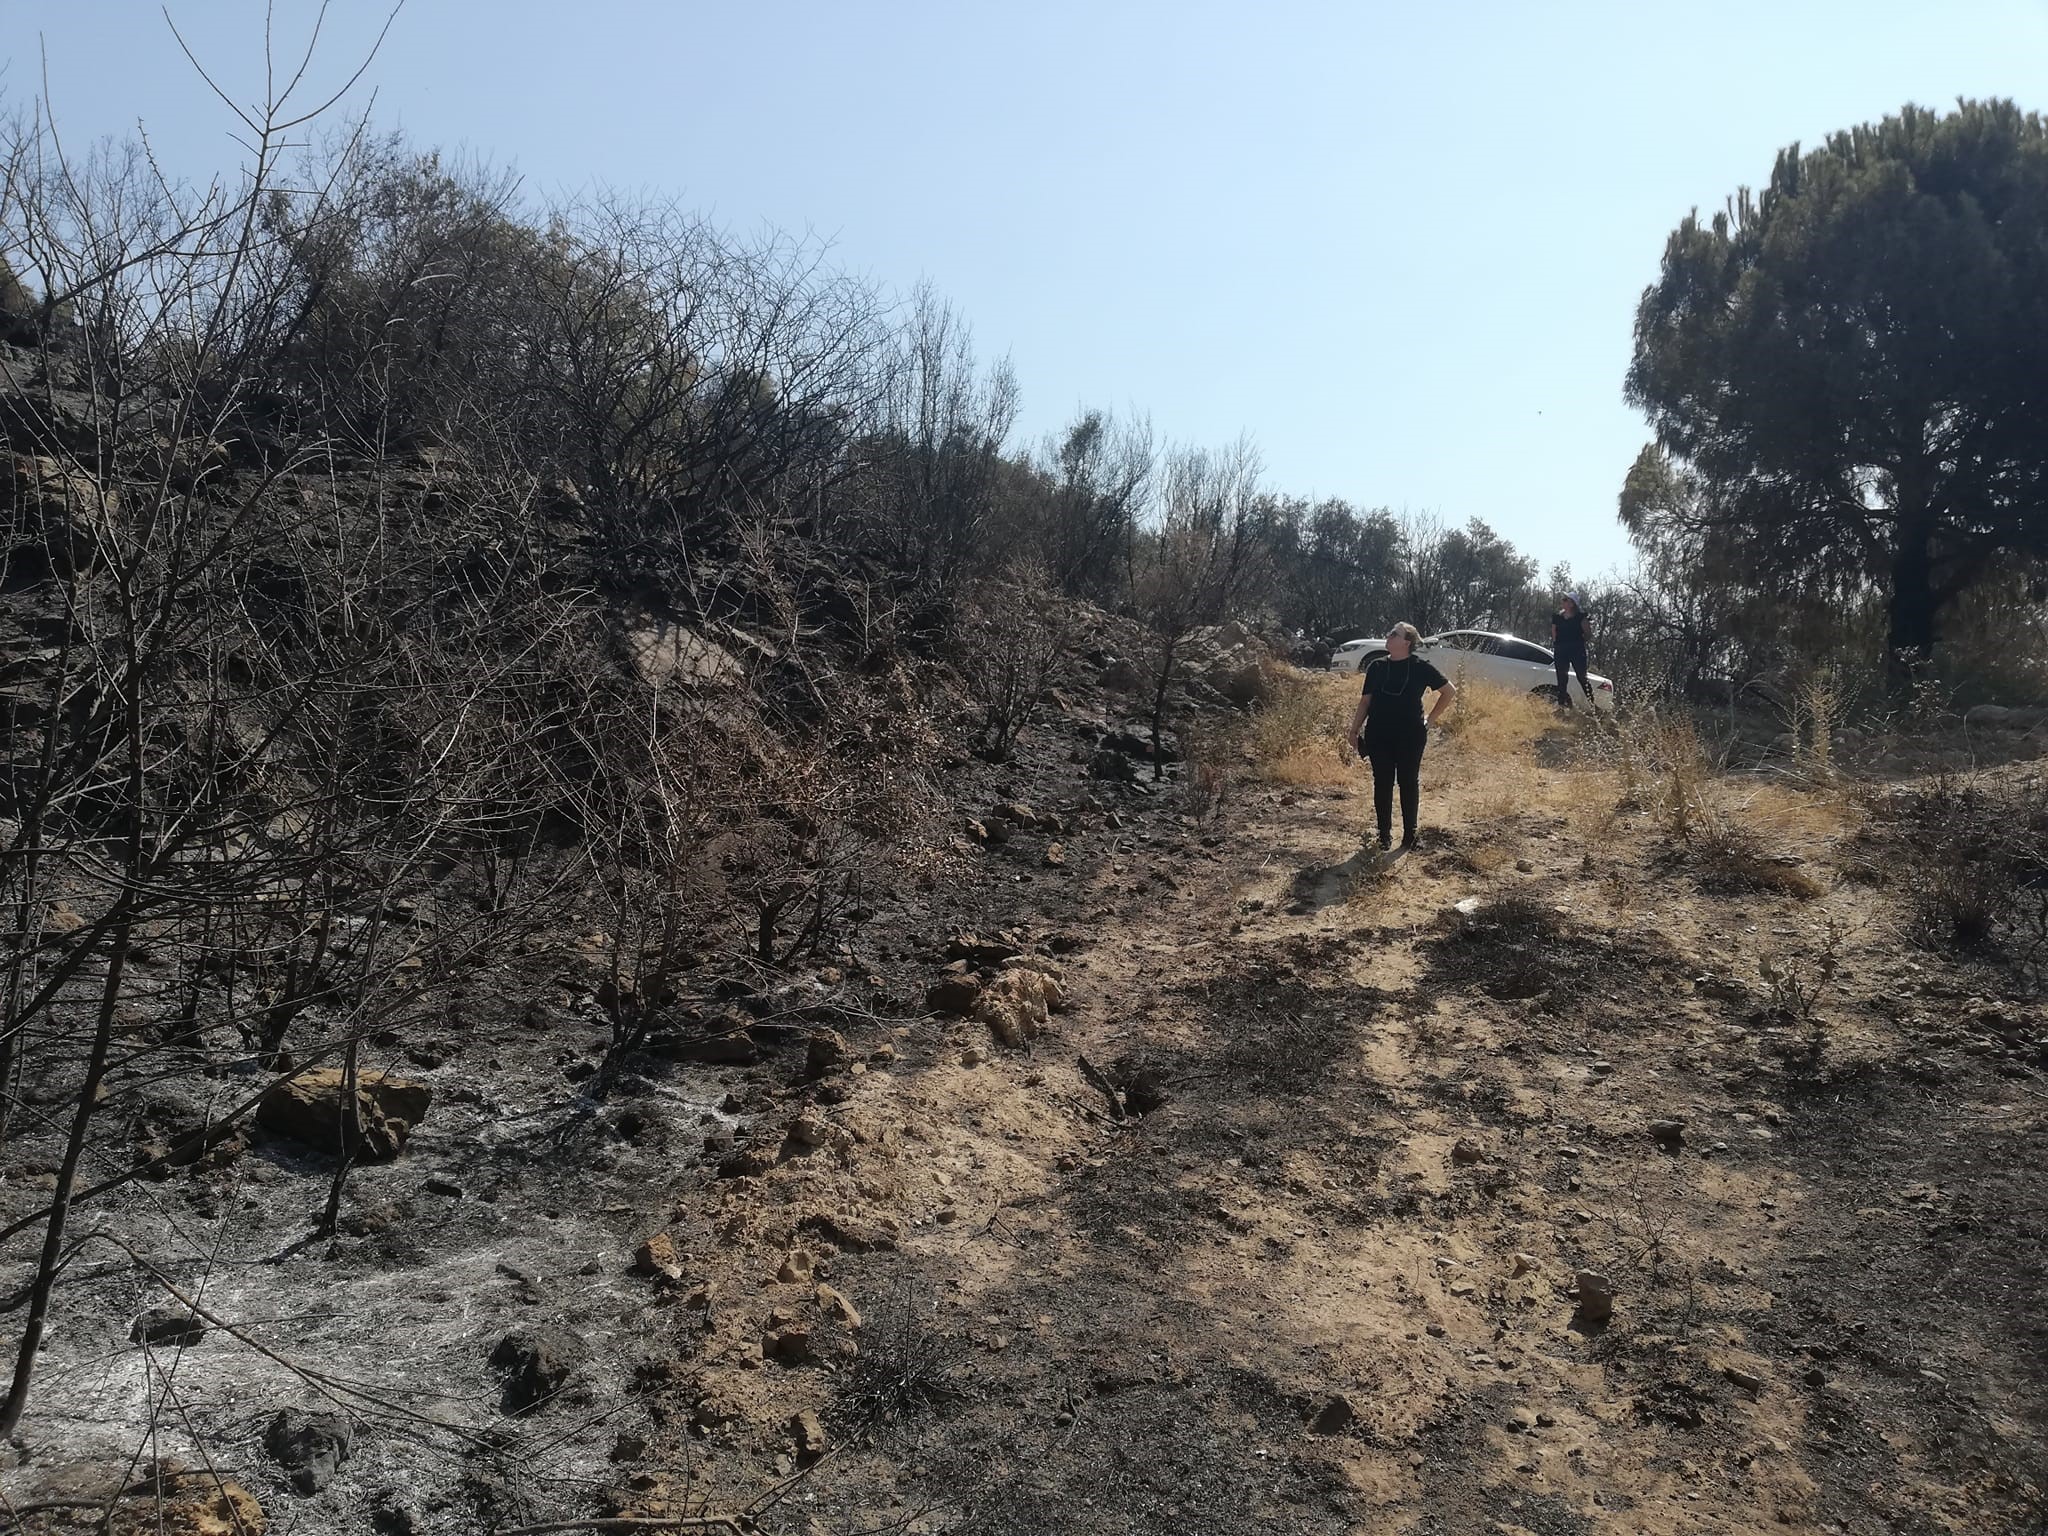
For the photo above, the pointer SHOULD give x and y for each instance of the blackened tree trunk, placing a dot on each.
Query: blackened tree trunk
(1910, 645)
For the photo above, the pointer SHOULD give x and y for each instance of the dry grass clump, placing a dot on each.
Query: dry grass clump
(1667, 771)
(1498, 722)
(1301, 736)
(1736, 864)
(1487, 858)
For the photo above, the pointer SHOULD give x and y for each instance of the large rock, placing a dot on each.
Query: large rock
(57, 506)
(723, 1040)
(658, 1257)
(661, 652)
(976, 950)
(1138, 743)
(1241, 682)
(1016, 1004)
(1122, 675)
(310, 1446)
(308, 1109)
(1114, 766)
(953, 993)
(825, 1053)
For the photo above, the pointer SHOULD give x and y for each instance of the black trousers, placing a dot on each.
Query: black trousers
(1396, 755)
(1566, 665)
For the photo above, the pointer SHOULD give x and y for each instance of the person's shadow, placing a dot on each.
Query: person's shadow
(1329, 885)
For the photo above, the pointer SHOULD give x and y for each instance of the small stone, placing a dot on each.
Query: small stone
(971, 1057)
(946, 1215)
(1055, 856)
(1466, 1151)
(1815, 1377)
(1749, 1381)
(837, 1307)
(658, 1257)
(1601, 1068)
(1596, 1296)
(808, 1431)
(1523, 1265)
(1434, 1330)
(797, 1267)
(1668, 1134)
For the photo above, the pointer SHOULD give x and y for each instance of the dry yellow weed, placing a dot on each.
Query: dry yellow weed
(1301, 736)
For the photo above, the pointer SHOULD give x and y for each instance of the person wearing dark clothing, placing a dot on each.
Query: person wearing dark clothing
(1390, 729)
(1568, 648)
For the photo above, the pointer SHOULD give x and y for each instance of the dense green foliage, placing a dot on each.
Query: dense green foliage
(1850, 370)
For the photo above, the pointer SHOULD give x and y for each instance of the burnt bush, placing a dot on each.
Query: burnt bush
(1978, 851)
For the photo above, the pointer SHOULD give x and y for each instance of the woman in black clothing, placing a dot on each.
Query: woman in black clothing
(1568, 648)
(1390, 730)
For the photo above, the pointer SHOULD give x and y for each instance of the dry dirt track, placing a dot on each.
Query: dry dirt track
(1324, 1283)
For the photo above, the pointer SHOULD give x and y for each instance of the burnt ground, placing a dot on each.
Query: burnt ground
(1313, 1272)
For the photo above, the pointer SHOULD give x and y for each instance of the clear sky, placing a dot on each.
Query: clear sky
(1399, 244)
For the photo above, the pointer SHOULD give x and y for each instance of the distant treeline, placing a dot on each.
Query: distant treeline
(671, 384)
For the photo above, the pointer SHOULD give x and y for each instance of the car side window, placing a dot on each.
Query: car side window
(1522, 650)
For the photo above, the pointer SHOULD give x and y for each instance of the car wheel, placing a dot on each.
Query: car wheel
(1548, 692)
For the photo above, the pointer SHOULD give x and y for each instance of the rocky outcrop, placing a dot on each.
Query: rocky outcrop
(308, 1109)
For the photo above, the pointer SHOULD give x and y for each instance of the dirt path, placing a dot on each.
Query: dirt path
(1325, 1281)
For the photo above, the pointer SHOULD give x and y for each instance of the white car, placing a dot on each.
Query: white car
(1506, 661)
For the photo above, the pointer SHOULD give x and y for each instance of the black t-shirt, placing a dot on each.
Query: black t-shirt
(1396, 689)
(1571, 633)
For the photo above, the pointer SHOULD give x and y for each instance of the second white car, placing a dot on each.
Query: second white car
(1506, 661)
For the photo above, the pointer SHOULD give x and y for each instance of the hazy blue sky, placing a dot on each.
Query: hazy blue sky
(1401, 245)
